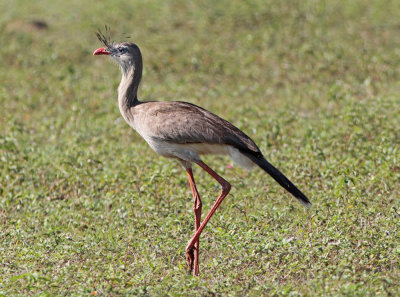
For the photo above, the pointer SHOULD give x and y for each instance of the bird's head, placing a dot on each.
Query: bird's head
(126, 54)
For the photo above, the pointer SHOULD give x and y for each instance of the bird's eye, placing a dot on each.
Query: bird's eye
(122, 50)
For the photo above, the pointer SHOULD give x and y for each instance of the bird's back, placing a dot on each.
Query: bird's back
(177, 122)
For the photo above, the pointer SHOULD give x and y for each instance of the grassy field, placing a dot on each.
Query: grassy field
(86, 208)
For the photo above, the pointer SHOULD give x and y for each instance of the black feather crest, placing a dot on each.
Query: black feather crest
(105, 38)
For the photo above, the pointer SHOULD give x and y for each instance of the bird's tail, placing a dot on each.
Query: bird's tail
(280, 178)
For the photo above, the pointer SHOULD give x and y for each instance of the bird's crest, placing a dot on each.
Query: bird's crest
(105, 38)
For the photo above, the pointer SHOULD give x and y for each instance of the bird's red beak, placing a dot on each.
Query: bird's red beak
(101, 51)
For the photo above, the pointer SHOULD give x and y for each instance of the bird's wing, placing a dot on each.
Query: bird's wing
(182, 122)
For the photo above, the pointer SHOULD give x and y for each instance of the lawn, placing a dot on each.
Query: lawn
(88, 209)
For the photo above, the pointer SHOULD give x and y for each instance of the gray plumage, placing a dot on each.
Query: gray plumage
(183, 130)
(183, 123)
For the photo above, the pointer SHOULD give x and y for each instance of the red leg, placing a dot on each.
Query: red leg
(225, 190)
(193, 257)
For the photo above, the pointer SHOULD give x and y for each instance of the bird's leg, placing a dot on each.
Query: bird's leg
(225, 190)
(193, 256)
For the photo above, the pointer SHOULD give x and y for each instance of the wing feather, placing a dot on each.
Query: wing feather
(182, 122)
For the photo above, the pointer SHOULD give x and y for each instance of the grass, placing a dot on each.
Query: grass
(87, 209)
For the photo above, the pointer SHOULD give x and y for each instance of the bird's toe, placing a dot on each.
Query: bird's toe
(190, 259)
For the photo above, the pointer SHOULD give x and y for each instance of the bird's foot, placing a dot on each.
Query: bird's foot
(190, 259)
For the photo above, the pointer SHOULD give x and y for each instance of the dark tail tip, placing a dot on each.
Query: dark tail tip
(305, 202)
(280, 178)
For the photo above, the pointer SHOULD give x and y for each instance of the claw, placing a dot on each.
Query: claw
(190, 259)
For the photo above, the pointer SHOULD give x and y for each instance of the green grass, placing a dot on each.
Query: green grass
(87, 208)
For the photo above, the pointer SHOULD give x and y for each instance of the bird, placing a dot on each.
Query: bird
(184, 131)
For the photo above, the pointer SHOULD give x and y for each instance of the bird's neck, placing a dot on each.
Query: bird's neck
(127, 91)
(128, 87)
